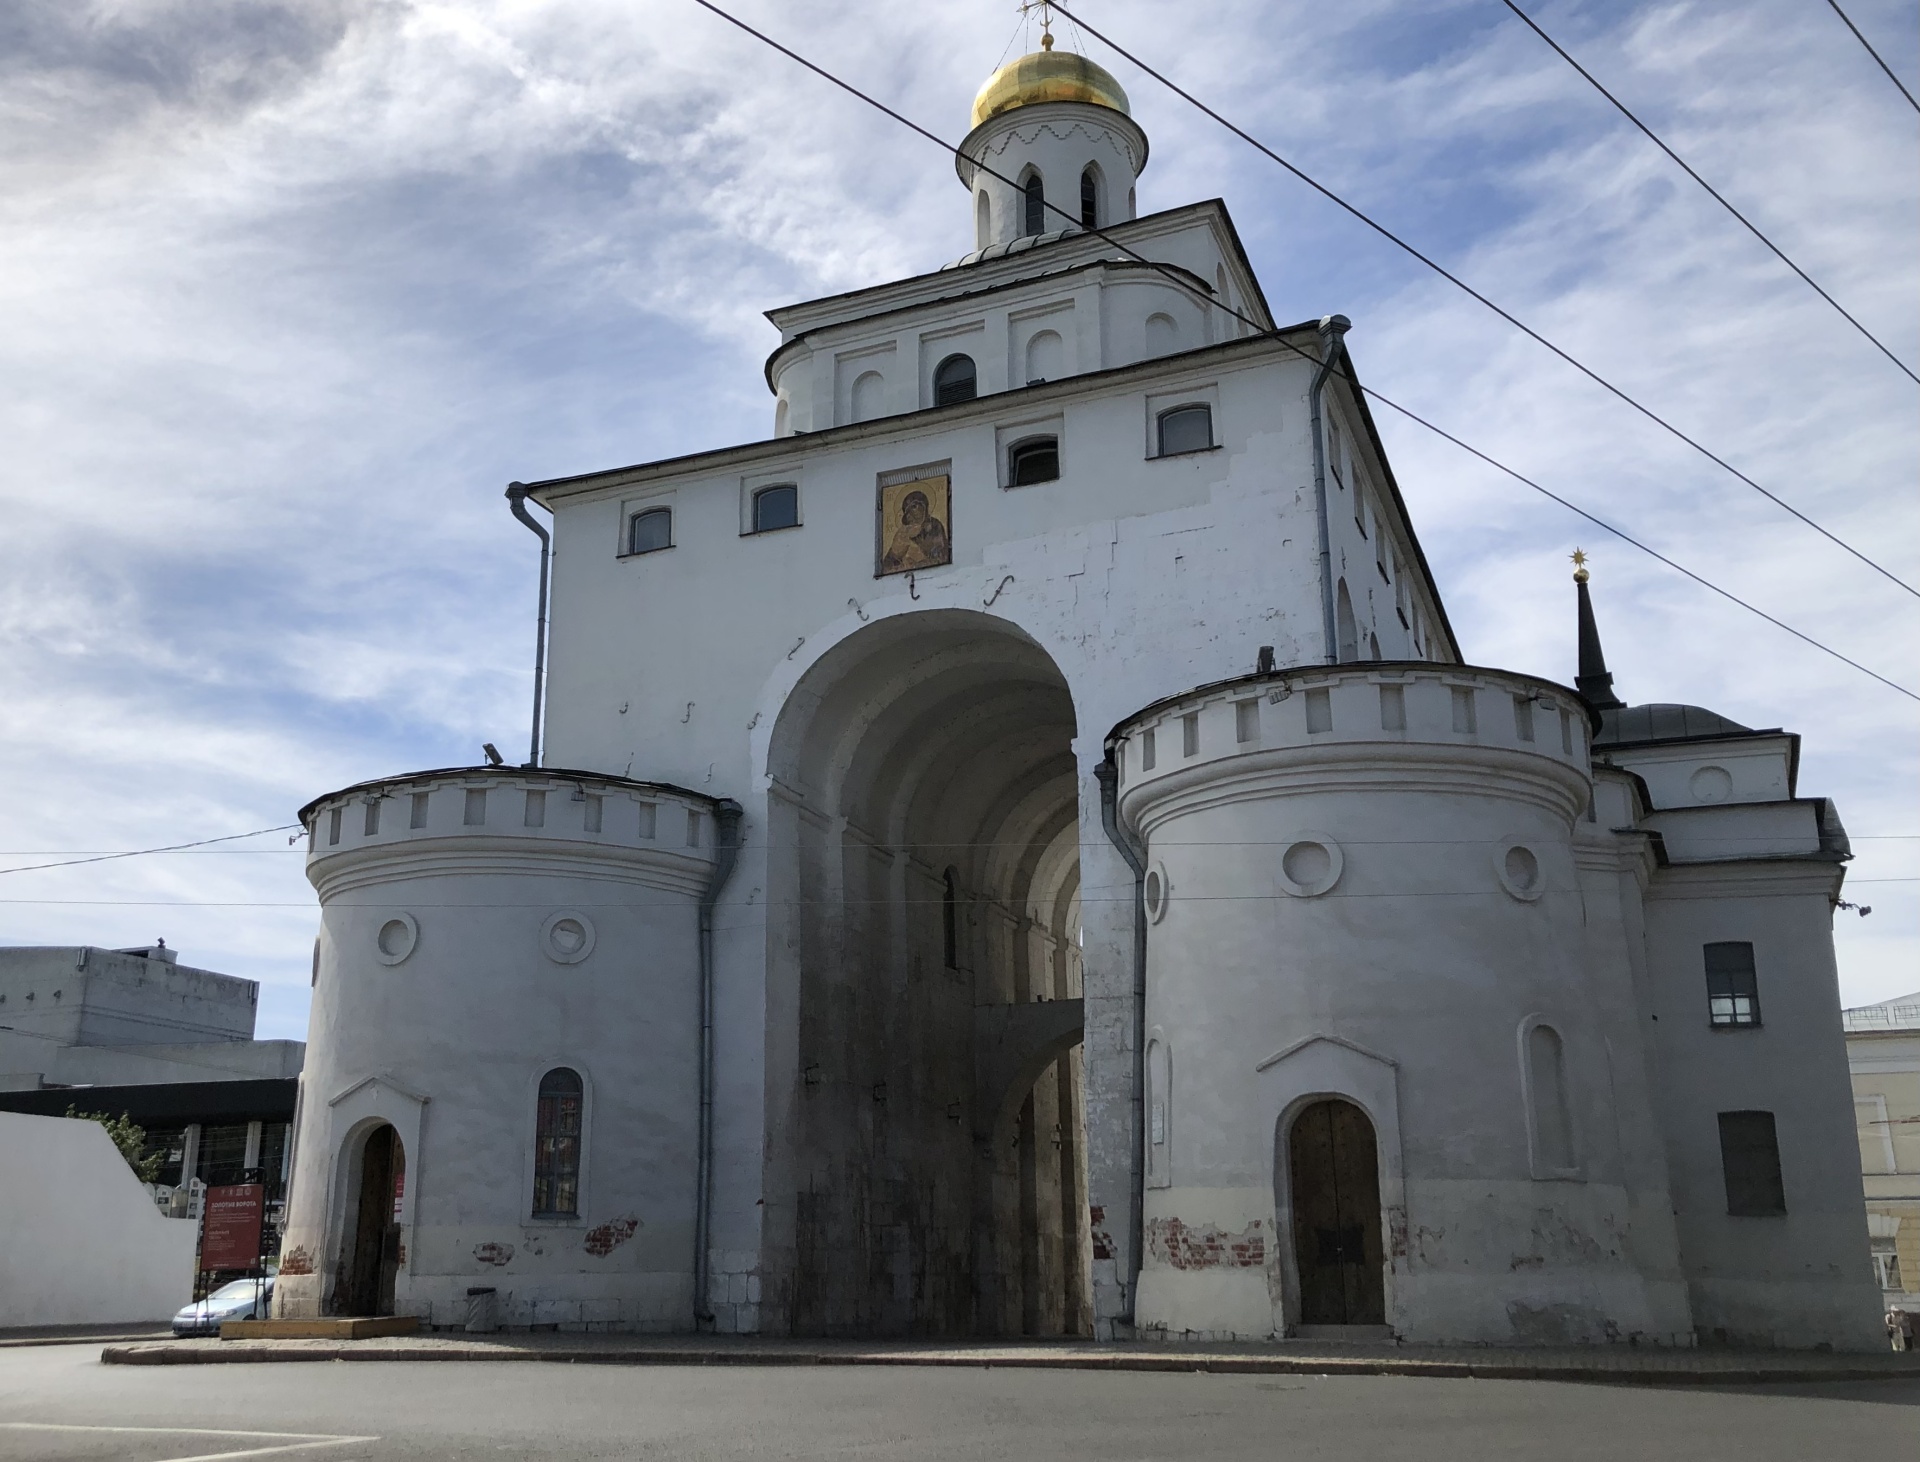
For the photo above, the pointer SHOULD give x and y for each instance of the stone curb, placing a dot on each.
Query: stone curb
(259, 1352)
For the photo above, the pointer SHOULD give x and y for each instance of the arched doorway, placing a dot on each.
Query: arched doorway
(1334, 1183)
(923, 900)
(371, 1253)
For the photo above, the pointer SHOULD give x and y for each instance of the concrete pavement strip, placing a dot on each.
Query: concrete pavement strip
(81, 1335)
(1616, 1365)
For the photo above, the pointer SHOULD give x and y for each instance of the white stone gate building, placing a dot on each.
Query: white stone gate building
(1020, 851)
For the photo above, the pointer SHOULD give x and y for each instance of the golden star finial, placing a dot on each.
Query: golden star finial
(1579, 566)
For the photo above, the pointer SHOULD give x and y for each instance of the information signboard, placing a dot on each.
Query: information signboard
(230, 1232)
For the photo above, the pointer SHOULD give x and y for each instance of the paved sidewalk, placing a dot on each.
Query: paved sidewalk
(1596, 1363)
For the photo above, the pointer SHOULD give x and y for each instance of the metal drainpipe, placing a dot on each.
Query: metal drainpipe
(726, 850)
(1109, 775)
(1332, 328)
(517, 496)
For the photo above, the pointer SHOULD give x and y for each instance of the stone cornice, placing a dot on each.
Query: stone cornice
(1747, 878)
(381, 865)
(1363, 767)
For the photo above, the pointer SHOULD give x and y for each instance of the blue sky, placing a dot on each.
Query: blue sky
(288, 292)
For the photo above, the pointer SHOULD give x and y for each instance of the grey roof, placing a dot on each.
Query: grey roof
(1015, 246)
(1640, 725)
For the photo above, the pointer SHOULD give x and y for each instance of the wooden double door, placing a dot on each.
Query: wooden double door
(1334, 1171)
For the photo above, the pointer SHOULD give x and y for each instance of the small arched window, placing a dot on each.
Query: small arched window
(869, 396)
(950, 920)
(1186, 429)
(1037, 459)
(1036, 199)
(1046, 356)
(556, 1145)
(1547, 1085)
(776, 507)
(1090, 199)
(954, 380)
(1348, 649)
(650, 531)
(982, 220)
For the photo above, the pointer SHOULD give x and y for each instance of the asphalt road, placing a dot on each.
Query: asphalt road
(60, 1404)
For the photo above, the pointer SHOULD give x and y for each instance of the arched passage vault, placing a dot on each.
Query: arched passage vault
(926, 1165)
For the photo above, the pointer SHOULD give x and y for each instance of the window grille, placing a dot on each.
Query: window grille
(556, 1149)
(955, 380)
(1089, 200)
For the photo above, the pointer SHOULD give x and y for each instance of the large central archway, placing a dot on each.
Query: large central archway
(923, 911)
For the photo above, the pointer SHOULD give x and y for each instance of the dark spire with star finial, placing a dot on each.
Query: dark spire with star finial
(1594, 682)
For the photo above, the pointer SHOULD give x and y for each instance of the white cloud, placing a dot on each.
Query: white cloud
(291, 290)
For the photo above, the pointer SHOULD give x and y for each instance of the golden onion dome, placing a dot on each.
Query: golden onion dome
(1048, 76)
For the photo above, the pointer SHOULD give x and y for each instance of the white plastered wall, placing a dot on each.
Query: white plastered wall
(81, 1242)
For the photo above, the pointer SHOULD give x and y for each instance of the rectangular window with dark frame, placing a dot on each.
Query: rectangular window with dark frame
(776, 507)
(1750, 1162)
(1037, 459)
(556, 1144)
(650, 531)
(1185, 429)
(1733, 991)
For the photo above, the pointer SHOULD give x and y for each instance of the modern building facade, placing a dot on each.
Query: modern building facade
(135, 1033)
(1020, 850)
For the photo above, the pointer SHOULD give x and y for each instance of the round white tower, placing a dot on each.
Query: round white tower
(1054, 128)
(1382, 1089)
(501, 1090)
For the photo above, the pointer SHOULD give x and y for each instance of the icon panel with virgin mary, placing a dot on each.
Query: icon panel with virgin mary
(915, 525)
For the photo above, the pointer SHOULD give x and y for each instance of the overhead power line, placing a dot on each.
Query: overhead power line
(1875, 54)
(881, 902)
(143, 852)
(1386, 233)
(1712, 192)
(1205, 297)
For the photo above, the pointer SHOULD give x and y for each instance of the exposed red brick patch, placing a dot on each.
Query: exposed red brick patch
(494, 1254)
(1102, 1240)
(603, 1240)
(296, 1261)
(1180, 1245)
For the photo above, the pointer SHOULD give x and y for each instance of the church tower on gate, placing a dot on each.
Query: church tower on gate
(1071, 881)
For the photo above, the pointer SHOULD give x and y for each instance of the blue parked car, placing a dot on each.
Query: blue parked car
(242, 1299)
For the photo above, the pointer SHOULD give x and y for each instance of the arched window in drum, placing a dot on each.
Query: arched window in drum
(556, 1144)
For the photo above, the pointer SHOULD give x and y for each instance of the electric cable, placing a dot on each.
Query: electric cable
(1205, 296)
(143, 852)
(1386, 233)
(1712, 192)
(1875, 54)
(934, 901)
